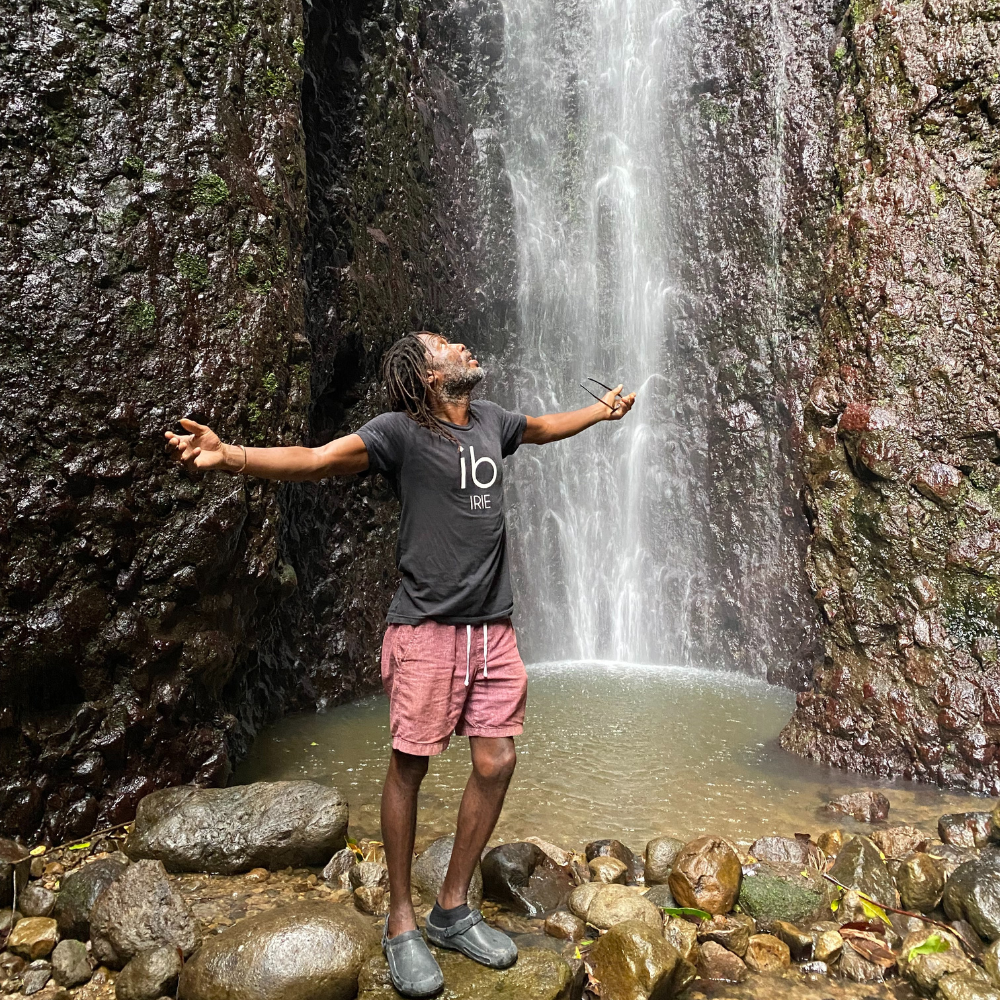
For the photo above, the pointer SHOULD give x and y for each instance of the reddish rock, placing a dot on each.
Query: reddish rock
(707, 875)
(716, 962)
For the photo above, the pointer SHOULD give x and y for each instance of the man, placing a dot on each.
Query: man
(449, 657)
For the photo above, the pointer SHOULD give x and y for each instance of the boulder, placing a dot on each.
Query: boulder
(865, 807)
(431, 866)
(635, 961)
(772, 891)
(33, 937)
(524, 878)
(991, 961)
(827, 946)
(617, 850)
(15, 867)
(139, 911)
(732, 931)
(897, 841)
(973, 893)
(307, 951)
(151, 974)
(538, 974)
(860, 866)
(706, 875)
(69, 963)
(659, 859)
(966, 986)
(608, 870)
(683, 935)
(800, 943)
(615, 904)
(563, 924)
(920, 880)
(787, 851)
(79, 890)
(924, 971)
(971, 829)
(370, 874)
(268, 824)
(35, 976)
(716, 962)
(35, 900)
(766, 953)
(660, 895)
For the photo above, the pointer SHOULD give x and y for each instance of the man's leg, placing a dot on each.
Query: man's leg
(493, 760)
(399, 825)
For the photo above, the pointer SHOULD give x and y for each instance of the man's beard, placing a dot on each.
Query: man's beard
(458, 381)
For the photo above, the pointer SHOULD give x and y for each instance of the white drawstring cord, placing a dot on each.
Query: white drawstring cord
(486, 669)
(468, 652)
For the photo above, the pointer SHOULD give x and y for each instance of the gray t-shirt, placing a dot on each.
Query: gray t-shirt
(452, 547)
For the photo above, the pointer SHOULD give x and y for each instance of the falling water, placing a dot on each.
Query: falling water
(658, 539)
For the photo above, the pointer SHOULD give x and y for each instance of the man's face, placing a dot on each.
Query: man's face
(454, 372)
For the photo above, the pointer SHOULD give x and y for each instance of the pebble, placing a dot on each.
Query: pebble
(260, 874)
(716, 962)
(70, 966)
(33, 937)
(372, 899)
(766, 953)
(35, 976)
(563, 924)
(35, 900)
(828, 946)
(608, 870)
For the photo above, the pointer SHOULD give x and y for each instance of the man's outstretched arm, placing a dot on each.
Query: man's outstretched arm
(201, 449)
(556, 426)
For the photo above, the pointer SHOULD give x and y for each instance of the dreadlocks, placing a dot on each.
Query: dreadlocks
(404, 372)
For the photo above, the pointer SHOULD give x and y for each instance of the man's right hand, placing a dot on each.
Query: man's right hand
(201, 449)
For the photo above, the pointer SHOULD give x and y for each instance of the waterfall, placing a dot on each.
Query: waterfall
(649, 210)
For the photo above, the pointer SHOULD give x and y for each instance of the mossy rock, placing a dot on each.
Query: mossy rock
(778, 891)
(538, 974)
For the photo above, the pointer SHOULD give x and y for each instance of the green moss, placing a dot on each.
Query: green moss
(715, 111)
(192, 267)
(233, 315)
(269, 383)
(134, 167)
(254, 414)
(210, 189)
(840, 54)
(299, 46)
(937, 193)
(275, 82)
(140, 316)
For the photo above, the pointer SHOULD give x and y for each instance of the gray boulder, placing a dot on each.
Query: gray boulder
(15, 866)
(525, 879)
(269, 824)
(150, 975)
(859, 865)
(69, 963)
(306, 951)
(659, 859)
(140, 911)
(35, 900)
(430, 868)
(79, 891)
(973, 894)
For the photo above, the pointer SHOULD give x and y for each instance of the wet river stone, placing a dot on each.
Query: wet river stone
(966, 986)
(706, 874)
(151, 974)
(970, 829)
(973, 894)
(800, 944)
(69, 963)
(431, 866)
(633, 960)
(865, 807)
(718, 963)
(79, 891)
(732, 931)
(660, 895)
(772, 891)
(897, 841)
(523, 877)
(924, 971)
(683, 935)
(617, 850)
(33, 937)
(306, 951)
(140, 910)
(608, 870)
(538, 974)
(614, 904)
(991, 961)
(659, 859)
(228, 830)
(859, 865)
(920, 880)
(787, 851)
(34, 900)
(766, 953)
(563, 924)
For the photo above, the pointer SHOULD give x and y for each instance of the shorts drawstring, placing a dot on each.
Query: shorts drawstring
(468, 653)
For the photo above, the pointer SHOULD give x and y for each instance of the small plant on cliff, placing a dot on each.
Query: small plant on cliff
(140, 316)
(210, 189)
(714, 111)
(275, 82)
(134, 167)
(192, 267)
(270, 383)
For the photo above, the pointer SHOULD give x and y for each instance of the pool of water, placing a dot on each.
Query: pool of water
(609, 750)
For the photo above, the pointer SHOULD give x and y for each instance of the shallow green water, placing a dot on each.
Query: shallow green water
(608, 750)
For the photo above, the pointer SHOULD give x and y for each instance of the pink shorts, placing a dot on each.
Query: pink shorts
(444, 679)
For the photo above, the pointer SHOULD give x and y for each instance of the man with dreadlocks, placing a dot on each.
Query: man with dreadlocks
(449, 656)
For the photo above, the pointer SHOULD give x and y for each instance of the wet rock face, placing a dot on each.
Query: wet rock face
(154, 202)
(156, 258)
(901, 415)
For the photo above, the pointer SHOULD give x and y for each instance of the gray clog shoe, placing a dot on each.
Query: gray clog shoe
(475, 939)
(413, 969)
